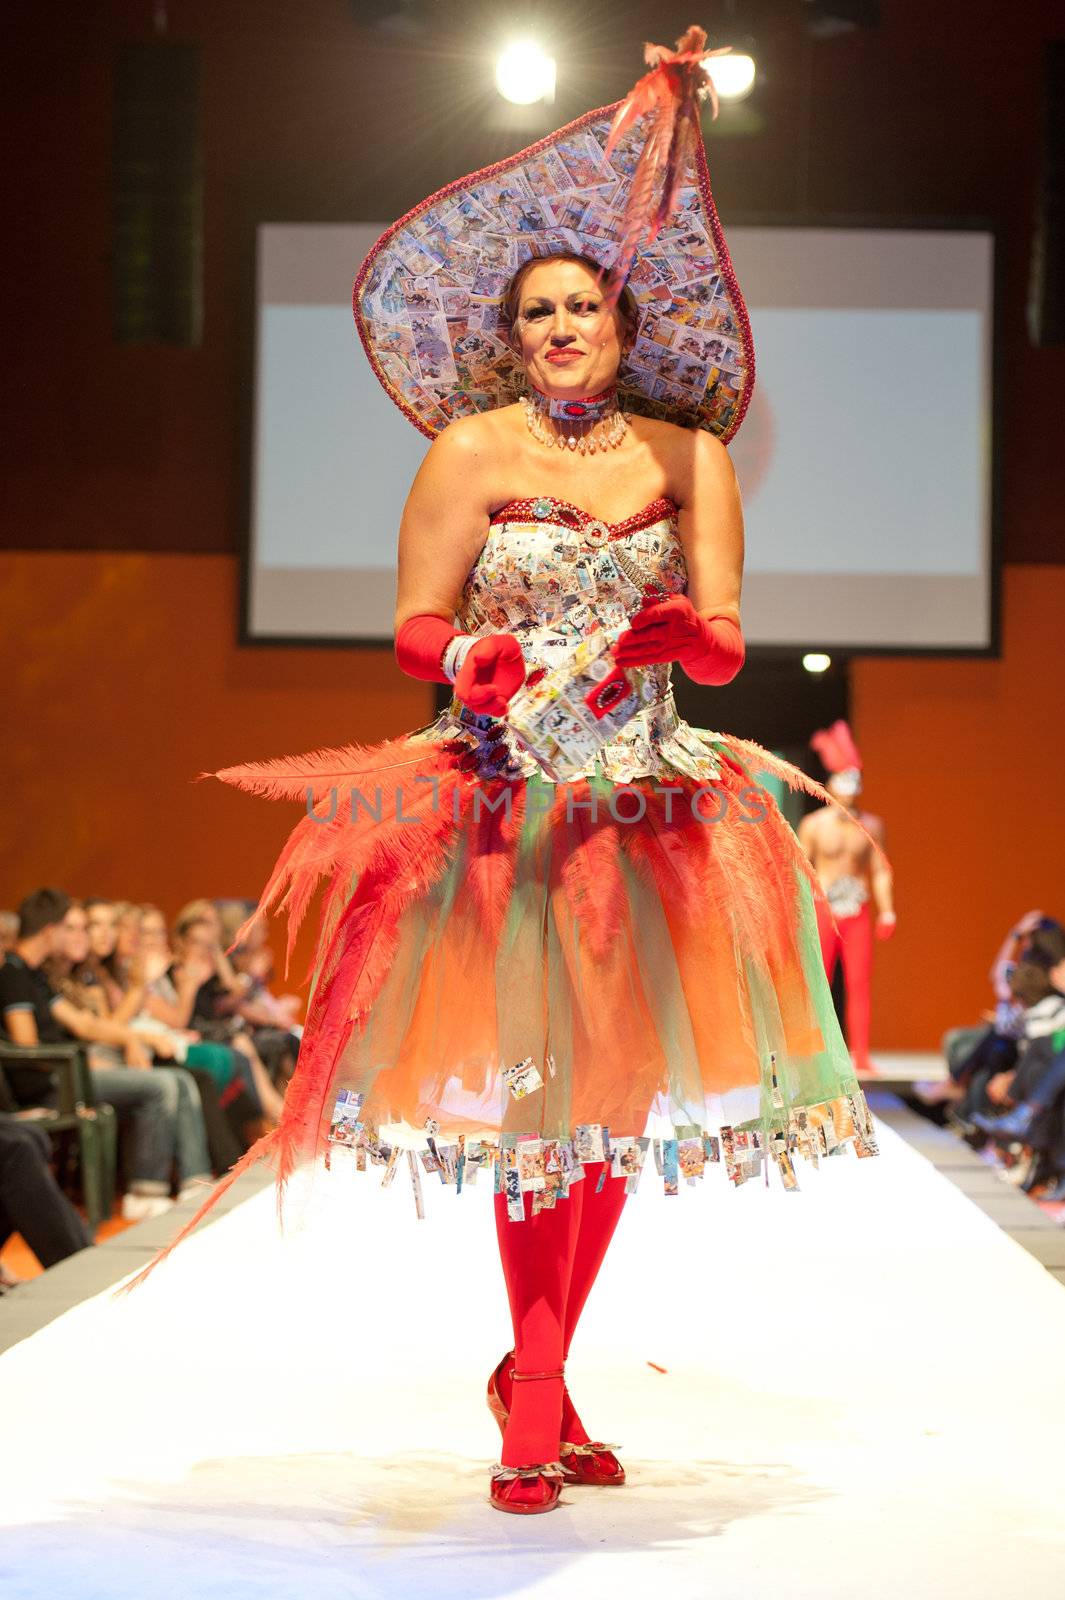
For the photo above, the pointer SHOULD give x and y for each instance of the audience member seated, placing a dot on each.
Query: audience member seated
(31, 1202)
(230, 1100)
(66, 969)
(33, 1012)
(8, 932)
(106, 974)
(992, 1063)
(1030, 1101)
(213, 1011)
(976, 1054)
(271, 1018)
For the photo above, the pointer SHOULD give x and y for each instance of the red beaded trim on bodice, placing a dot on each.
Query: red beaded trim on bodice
(546, 508)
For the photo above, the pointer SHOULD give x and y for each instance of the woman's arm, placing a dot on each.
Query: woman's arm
(235, 983)
(444, 522)
(131, 1001)
(86, 1025)
(170, 1014)
(188, 978)
(700, 629)
(999, 973)
(443, 529)
(711, 525)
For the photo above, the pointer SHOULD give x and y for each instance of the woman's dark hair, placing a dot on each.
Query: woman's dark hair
(626, 306)
(1030, 982)
(1046, 946)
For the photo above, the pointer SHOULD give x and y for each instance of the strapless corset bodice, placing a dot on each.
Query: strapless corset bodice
(550, 574)
(547, 568)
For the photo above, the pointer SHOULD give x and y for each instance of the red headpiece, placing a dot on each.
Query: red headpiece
(836, 747)
(626, 186)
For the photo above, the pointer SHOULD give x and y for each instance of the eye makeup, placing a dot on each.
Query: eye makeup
(579, 304)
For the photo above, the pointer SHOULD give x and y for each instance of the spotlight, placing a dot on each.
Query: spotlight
(732, 75)
(814, 661)
(525, 73)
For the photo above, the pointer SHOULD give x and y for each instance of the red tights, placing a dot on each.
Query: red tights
(850, 940)
(550, 1263)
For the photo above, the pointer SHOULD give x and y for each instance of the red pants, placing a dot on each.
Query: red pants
(852, 940)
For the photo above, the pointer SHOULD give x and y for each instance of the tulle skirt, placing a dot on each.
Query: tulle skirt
(525, 977)
(519, 980)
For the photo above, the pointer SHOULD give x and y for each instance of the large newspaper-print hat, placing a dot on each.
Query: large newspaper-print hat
(627, 185)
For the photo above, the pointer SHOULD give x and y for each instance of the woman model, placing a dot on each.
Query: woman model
(513, 971)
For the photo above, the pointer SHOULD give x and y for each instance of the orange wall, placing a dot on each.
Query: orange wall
(124, 680)
(965, 761)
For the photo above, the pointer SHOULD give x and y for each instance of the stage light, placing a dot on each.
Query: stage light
(525, 73)
(815, 661)
(732, 75)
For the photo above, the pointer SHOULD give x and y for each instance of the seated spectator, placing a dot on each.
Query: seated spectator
(1034, 1094)
(989, 1083)
(270, 1018)
(31, 1202)
(214, 1013)
(224, 1075)
(33, 1012)
(64, 968)
(977, 1054)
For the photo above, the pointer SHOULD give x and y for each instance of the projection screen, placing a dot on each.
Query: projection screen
(865, 460)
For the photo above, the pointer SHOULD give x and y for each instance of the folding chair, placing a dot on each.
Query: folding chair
(78, 1110)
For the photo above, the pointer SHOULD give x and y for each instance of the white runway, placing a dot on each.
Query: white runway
(864, 1395)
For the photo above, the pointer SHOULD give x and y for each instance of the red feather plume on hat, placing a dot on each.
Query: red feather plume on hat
(836, 747)
(668, 96)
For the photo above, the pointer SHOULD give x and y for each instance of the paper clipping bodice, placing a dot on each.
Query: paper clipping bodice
(552, 575)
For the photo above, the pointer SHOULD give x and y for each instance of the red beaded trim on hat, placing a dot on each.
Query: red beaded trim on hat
(724, 261)
(570, 516)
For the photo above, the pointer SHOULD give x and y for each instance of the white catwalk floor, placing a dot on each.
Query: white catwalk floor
(864, 1395)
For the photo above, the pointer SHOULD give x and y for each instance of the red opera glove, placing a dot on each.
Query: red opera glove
(709, 648)
(486, 672)
(420, 645)
(885, 924)
(492, 672)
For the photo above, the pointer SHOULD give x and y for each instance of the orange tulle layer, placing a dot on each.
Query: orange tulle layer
(654, 942)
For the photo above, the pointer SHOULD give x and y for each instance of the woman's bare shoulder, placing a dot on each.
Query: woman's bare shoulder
(684, 444)
(684, 453)
(463, 467)
(472, 436)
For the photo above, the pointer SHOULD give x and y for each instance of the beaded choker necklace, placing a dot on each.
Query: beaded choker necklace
(588, 423)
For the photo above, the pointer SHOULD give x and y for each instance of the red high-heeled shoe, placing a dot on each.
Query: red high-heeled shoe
(547, 1476)
(593, 1463)
(538, 1485)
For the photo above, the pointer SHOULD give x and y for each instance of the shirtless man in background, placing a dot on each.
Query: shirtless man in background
(855, 881)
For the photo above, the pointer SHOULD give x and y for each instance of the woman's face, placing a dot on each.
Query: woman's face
(74, 943)
(569, 342)
(102, 930)
(128, 941)
(153, 932)
(198, 943)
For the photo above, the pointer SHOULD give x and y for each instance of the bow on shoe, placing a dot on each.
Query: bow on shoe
(544, 1469)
